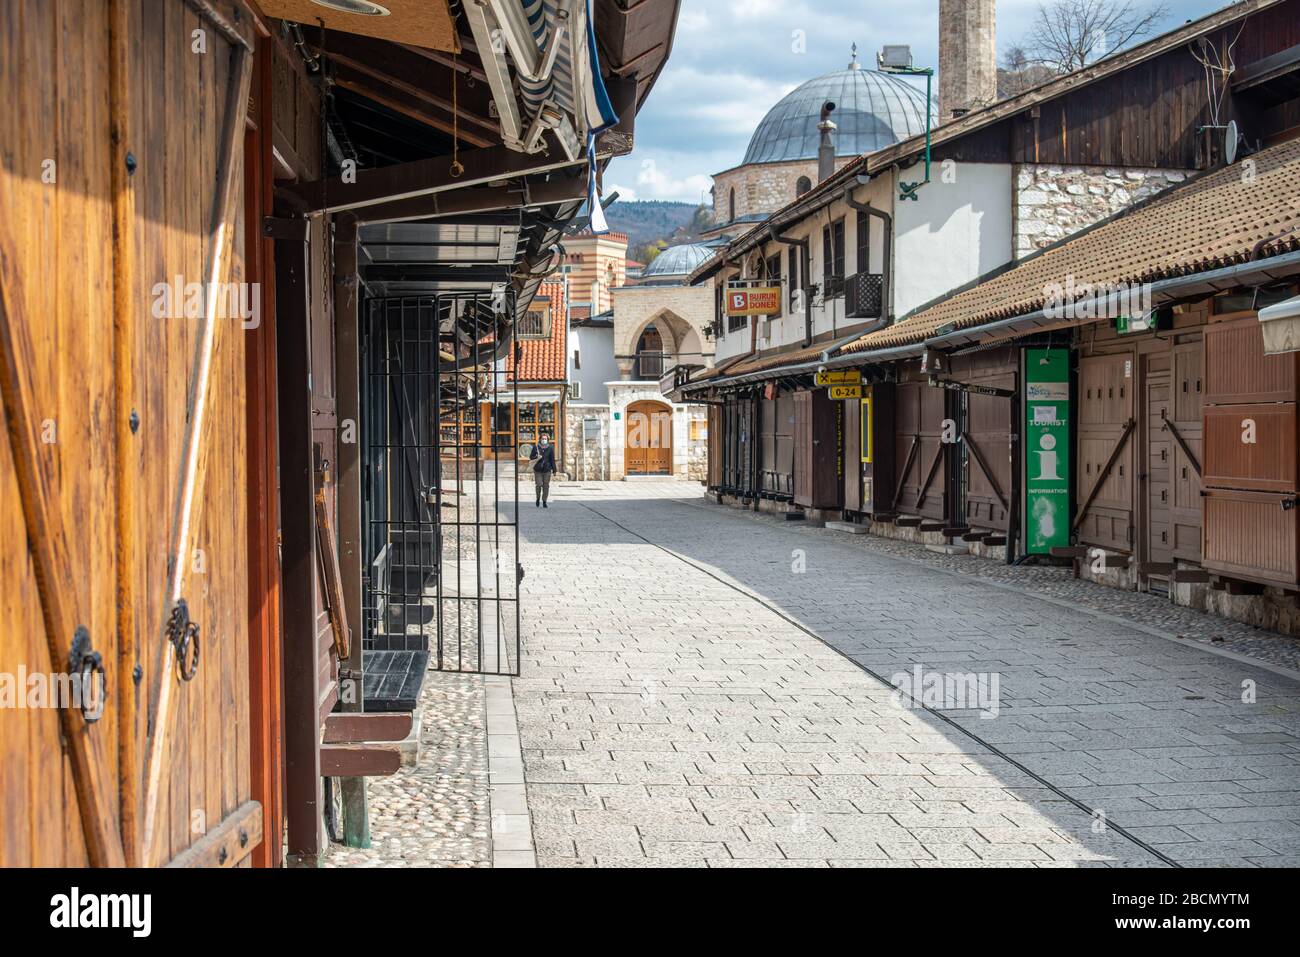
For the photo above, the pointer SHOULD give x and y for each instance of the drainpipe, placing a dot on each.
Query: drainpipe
(886, 293)
(805, 263)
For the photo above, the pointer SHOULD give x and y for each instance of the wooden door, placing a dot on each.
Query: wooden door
(1187, 432)
(649, 439)
(1158, 452)
(133, 495)
(920, 413)
(1105, 462)
(853, 455)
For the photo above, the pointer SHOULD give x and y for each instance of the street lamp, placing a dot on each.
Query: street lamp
(897, 58)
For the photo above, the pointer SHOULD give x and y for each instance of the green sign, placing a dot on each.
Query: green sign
(1047, 449)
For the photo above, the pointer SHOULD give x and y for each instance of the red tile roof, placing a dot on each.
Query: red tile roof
(544, 360)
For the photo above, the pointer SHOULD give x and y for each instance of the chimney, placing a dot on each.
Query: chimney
(826, 149)
(968, 66)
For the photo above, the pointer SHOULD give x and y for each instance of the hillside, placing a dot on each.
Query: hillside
(649, 221)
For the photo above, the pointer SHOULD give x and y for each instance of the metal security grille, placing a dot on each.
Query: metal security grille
(441, 498)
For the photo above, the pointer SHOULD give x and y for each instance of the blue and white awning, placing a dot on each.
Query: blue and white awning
(574, 85)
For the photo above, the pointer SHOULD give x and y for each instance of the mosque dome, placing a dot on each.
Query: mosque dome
(872, 110)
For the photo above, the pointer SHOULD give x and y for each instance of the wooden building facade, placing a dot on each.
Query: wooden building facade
(185, 189)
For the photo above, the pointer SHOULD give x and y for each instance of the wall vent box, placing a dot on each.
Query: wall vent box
(1280, 324)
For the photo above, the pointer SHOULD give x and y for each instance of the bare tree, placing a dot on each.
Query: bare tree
(1069, 34)
(1020, 72)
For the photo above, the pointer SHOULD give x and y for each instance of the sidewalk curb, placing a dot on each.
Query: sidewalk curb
(512, 828)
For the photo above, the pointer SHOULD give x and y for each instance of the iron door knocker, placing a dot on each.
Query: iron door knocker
(184, 636)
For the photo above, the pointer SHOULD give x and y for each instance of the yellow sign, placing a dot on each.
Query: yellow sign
(866, 428)
(839, 377)
(754, 301)
(845, 391)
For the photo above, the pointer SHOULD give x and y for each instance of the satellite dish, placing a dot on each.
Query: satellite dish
(1230, 137)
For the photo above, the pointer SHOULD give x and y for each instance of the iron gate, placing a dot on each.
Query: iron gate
(441, 496)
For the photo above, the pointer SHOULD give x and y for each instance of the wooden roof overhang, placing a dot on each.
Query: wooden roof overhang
(444, 200)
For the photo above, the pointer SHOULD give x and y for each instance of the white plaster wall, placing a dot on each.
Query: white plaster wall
(952, 233)
(789, 328)
(598, 366)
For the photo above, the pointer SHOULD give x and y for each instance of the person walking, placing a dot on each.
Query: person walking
(543, 459)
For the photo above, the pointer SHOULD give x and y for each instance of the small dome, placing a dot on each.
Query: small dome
(676, 262)
(872, 110)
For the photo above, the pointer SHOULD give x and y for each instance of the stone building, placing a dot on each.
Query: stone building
(656, 326)
(593, 266)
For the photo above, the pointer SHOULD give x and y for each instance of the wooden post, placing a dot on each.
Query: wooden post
(129, 449)
(264, 650)
(298, 521)
(347, 383)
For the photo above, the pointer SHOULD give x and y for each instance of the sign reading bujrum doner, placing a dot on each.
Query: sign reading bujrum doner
(1047, 449)
(754, 301)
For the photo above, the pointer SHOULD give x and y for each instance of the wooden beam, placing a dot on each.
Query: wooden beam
(264, 650)
(359, 760)
(129, 463)
(394, 66)
(422, 177)
(343, 728)
(298, 523)
(400, 102)
(541, 192)
(227, 844)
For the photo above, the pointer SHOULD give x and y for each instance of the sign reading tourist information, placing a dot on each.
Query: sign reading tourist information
(845, 391)
(1047, 450)
(838, 377)
(754, 301)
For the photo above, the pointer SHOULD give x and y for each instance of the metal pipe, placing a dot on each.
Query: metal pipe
(805, 265)
(886, 295)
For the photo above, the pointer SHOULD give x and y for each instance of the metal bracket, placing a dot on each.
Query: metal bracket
(275, 227)
(86, 664)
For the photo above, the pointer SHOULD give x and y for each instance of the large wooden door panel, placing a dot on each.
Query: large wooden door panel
(138, 407)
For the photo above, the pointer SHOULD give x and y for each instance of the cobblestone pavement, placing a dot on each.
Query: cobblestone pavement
(677, 707)
(436, 814)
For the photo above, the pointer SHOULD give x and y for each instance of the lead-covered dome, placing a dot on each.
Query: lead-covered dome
(676, 262)
(872, 110)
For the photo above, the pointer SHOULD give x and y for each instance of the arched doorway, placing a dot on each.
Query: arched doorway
(649, 442)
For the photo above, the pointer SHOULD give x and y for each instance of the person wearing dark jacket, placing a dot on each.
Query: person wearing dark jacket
(543, 459)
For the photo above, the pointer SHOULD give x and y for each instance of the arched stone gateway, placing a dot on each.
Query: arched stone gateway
(649, 448)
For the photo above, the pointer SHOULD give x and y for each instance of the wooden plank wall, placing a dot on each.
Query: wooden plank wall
(96, 363)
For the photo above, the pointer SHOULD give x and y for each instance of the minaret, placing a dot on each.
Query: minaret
(968, 66)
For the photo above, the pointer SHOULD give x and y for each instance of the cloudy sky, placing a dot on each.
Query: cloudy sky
(733, 59)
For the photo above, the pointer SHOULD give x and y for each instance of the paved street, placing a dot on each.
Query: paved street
(706, 687)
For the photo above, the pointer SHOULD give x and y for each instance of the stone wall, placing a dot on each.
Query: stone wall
(586, 458)
(761, 187)
(1052, 202)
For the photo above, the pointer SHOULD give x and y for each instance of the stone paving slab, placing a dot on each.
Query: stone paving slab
(674, 710)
